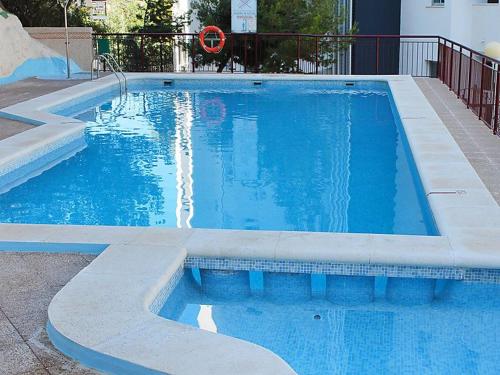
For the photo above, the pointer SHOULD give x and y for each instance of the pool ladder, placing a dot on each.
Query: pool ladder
(113, 66)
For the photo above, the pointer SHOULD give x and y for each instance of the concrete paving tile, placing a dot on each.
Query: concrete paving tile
(71, 369)
(31, 88)
(26, 300)
(18, 359)
(46, 353)
(40, 371)
(28, 283)
(11, 262)
(8, 128)
(28, 325)
(88, 258)
(474, 138)
(8, 333)
(18, 282)
(494, 159)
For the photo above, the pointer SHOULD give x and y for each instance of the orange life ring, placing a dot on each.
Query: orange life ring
(219, 32)
(213, 111)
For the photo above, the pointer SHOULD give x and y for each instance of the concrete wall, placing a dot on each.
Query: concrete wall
(18, 48)
(80, 42)
(470, 22)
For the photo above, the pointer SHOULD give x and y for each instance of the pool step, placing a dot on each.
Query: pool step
(284, 287)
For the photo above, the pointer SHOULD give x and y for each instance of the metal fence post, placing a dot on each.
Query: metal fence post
(497, 102)
(452, 53)
(471, 59)
(439, 63)
(232, 53)
(161, 54)
(481, 89)
(298, 53)
(142, 53)
(118, 40)
(459, 73)
(68, 64)
(317, 55)
(245, 54)
(445, 61)
(256, 53)
(192, 53)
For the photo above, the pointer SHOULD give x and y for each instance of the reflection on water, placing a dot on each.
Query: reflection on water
(282, 157)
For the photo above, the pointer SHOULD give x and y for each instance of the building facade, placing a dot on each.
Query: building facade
(473, 23)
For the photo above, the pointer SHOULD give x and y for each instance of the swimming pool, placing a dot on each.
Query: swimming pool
(324, 156)
(348, 325)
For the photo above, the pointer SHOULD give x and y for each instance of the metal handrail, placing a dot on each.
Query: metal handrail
(326, 35)
(119, 68)
(312, 35)
(106, 57)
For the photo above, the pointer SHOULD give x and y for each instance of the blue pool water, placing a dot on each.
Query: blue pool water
(301, 156)
(349, 325)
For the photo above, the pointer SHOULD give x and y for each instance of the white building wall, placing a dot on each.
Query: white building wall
(460, 21)
(419, 18)
(181, 7)
(486, 24)
(470, 22)
(182, 62)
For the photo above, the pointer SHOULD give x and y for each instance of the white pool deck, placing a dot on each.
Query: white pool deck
(106, 307)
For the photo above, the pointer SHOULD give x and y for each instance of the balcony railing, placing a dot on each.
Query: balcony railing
(471, 75)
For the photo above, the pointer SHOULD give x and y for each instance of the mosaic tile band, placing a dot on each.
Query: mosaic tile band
(160, 299)
(450, 273)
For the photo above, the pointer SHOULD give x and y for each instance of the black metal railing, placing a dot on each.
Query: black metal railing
(473, 76)
(276, 53)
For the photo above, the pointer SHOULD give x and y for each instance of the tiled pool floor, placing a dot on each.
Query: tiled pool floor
(28, 281)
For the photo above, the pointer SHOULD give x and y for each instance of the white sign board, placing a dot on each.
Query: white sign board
(98, 10)
(244, 16)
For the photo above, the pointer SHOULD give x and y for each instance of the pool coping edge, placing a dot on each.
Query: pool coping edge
(464, 210)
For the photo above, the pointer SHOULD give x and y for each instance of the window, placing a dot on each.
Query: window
(438, 3)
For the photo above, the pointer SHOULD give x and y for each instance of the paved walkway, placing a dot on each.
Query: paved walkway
(28, 281)
(479, 145)
(8, 128)
(31, 88)
(21, 91)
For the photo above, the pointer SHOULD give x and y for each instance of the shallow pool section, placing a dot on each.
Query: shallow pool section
(348, 325)
(327, 156)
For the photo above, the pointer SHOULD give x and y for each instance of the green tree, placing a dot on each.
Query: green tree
(159, 17)
(152, 52)
(50, 13)
(279, 54)
(125, 16)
